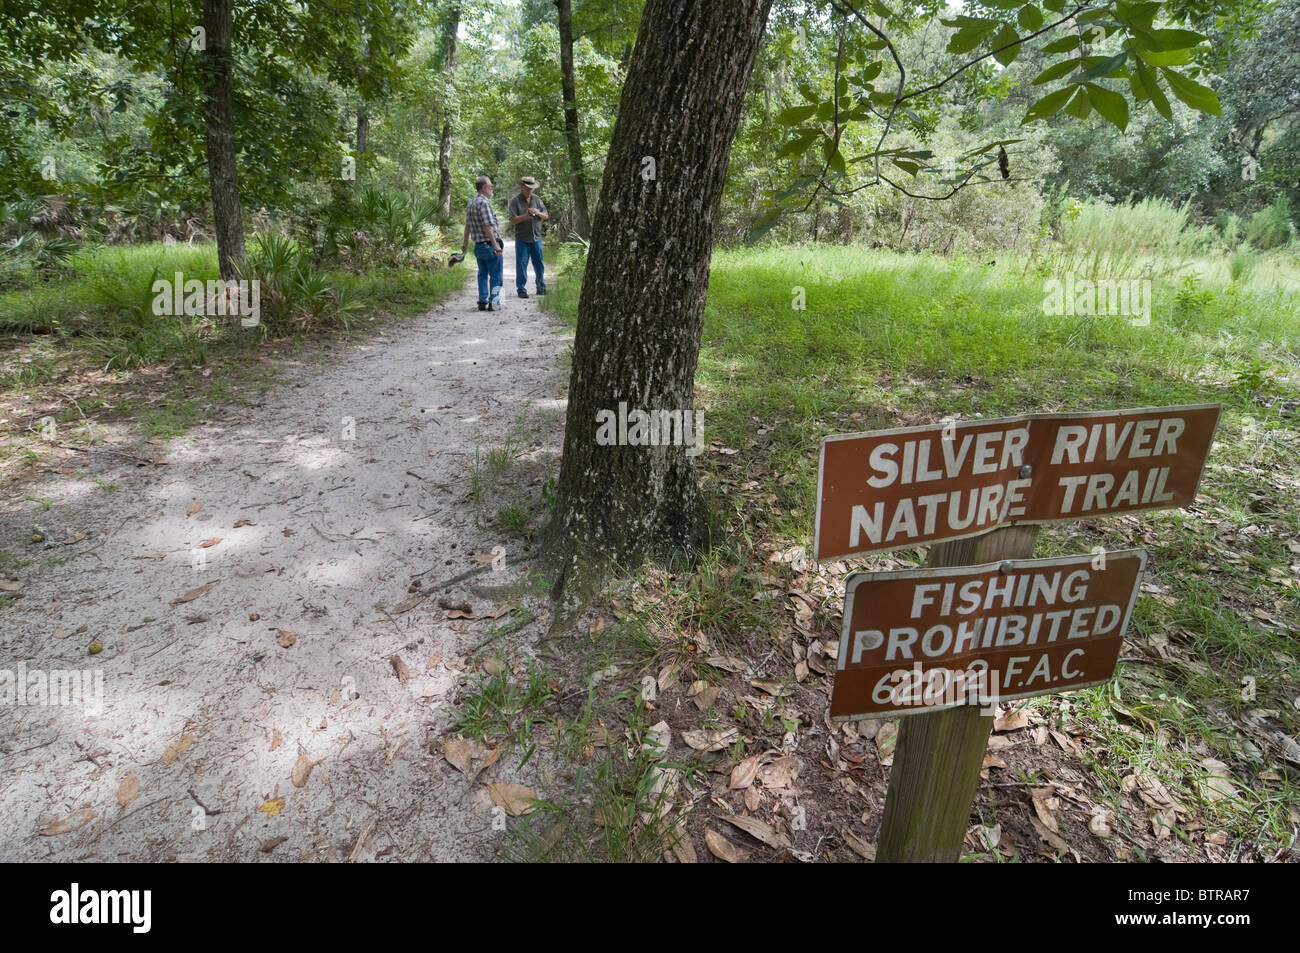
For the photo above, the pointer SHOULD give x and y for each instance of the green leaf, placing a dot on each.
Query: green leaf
(871, 72)
(1064, 45)
(1165, 57)
(966, 40)
(1056, 71)
(1137, 14)
(1005, 37)
(1105, 67)
(1199, 97)
(1049, 105)
(799, 143)
(1030, 17)
(1110, 105)
(1079, 107)
(834, 158)
(1174, 39)
(911, 168)
(1151, 84)
(795, 115)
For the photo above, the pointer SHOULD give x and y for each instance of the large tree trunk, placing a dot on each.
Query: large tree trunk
(577, 178)
(444, 146)
(219, 120)
(641, 309)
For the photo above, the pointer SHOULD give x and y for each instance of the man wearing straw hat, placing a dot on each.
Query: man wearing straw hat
(527, 212)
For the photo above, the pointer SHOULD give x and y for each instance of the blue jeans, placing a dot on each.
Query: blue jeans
(523, 252)
(489, 273)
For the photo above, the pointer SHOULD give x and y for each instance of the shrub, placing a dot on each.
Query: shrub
(1271, 227)
(1241, 263)
(295, 296)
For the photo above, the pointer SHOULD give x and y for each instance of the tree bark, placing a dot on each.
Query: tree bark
(641, 310)
(577, 178)
(363, 127)
(444, 145)
(222, 146)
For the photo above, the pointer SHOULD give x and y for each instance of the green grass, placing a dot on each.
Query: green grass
(889, 339)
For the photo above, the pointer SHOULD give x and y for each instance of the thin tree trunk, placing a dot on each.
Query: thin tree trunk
(219, 122)
(581, 216)
(363, 127)
(444, 145)
(641, 310)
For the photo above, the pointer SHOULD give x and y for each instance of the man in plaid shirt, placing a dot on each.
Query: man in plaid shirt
(481, 225)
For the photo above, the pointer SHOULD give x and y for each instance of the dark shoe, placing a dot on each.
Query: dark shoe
(482, 306)
(523, 293)
(542, 290)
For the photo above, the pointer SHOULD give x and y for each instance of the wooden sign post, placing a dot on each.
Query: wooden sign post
(979, 489)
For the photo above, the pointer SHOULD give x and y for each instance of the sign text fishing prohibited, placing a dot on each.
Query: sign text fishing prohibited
(928, 639)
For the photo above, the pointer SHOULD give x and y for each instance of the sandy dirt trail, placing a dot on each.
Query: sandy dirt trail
(205, 712)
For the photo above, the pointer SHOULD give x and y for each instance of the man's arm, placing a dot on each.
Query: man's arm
(542, 213)
(516, 219)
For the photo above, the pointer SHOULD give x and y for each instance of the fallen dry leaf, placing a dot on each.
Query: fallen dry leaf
(858, 845)
(285, 638)
(744, 774)
(771, 686)
(193, 508)
(210, 542)
(710, 739)
(193, 594)
(459, 753)
(277, 739)
(1011, 721)
(514, 799)
(64, 825)
(759, 830)
(400, 668)
(273, 806)
(728, 663)
(494, 666)
(724, 849)
(1044, 804)
(1056, 840)
(1099, 824)
(703, 694)
(239, 523)
(886, 740)
(301, 770)
(1220, 784)
(684, 850)
(128, 790)
(780, 774)
(178, 748)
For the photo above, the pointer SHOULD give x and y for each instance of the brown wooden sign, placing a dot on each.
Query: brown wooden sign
(916, 485)
(927, 639)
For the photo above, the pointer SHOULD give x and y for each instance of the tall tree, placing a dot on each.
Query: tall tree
(641, 310)
(451, 25)
(573, 139)
(219, 113)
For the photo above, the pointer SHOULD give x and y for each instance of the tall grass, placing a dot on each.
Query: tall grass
(1145, 239)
